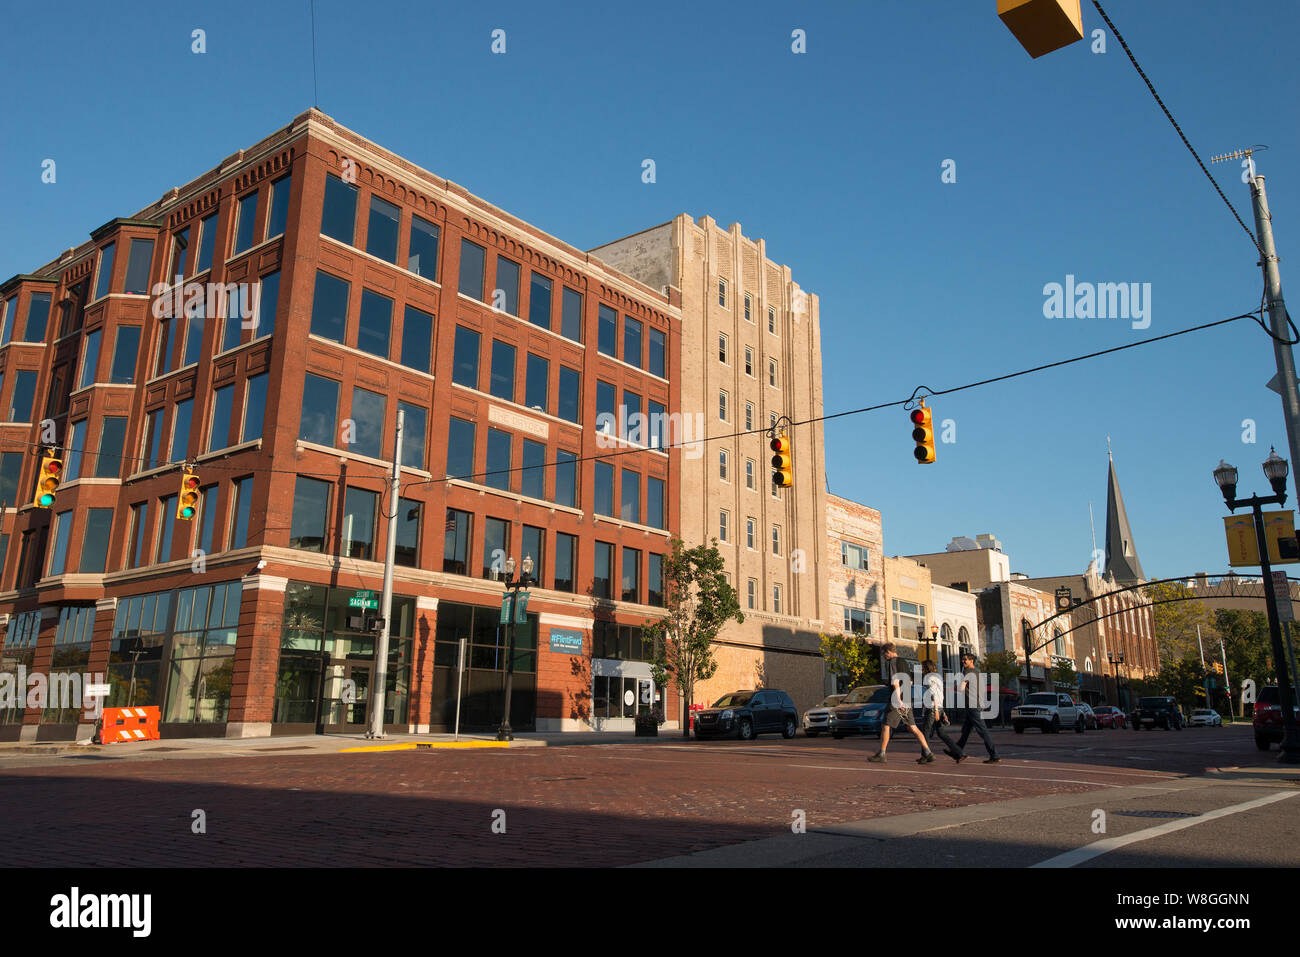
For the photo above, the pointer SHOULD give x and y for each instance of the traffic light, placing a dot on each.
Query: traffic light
(782, 466)
(47, 481)
(923, 434)
(187, 502)
(1218, 668)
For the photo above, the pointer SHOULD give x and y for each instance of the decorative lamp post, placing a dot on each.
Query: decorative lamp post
(512, 585)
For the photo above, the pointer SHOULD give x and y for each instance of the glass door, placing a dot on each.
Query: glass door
(346, 696)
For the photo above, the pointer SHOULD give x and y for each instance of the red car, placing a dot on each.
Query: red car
(1108, 717)
(1268, 717)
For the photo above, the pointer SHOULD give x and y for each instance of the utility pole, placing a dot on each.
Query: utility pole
(1227, 681)
(1286, 379)
(386, 602)
(1205, 675)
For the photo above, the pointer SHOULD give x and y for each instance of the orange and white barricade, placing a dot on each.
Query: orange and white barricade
(120, 725)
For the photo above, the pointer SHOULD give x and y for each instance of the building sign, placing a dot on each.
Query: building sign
(565, 642)
(520, 423)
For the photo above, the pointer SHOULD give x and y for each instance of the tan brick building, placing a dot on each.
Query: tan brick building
(856, 575)
(751, 354)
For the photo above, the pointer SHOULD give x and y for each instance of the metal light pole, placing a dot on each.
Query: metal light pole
(1275, 468)
(504, 732)
(386, 603)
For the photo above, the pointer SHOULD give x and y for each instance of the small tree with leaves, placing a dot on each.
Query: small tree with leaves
(699, 601)
(852, 658)
(1003, 664)
(1063, 674)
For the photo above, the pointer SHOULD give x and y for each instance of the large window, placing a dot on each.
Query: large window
(655, 580)
(907, 618)
(503, 370)
(381, 231)
(166, 524)
(632, 341)
(496, 546)
(566, 478)
(266, 303)
(535, 386)
(137, 273)
(89, 359)
(534, 546)
(76, 444)
(566, 549)
(38, 317)
(254, 408)
(506, 295)
(245, 223)
(654, 502)
(853, 556)
(603, 570)
(182, 415)
(359, 523)
(539, 301)
(62, 535)
(464, 370)
(279, 215)
(604, 503)
(193, 348)
(417, 339)
(11, 464)
(607, 331)
(631, 568)
(415, 424)
(376, 324)
(320, 403)
(571, 314)
(606, 414)
(24, 395)
(152, 445)
(630, 497)
(455, 545)
(202, 661)
(569, 395)
(460, 449)
(656, 365)
(498, 459)
(329, 307)
(126, 350)
(339, 212)
(94, 540)
(471, 270)
(102, 283)
(208, 518)
(407, 549)
(311, 500)
(139, 629)
(533, 472)
(139, 529)
(369, 413)
(242, 492)
(207, 243)
(422, 256)
(112, 437)
(71, 656)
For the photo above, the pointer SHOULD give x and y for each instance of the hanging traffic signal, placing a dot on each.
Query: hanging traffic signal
(923, 434)
(187, 502)
(47, 481)
(782, 465)
(1218, 668)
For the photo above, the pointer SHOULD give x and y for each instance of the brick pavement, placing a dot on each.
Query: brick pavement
(610, 805)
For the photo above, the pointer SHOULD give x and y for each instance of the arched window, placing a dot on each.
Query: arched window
(963, 638)
(1058, 642)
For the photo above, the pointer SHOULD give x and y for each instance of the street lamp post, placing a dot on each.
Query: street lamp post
(512, 584)
(1117, 658)
(1275, 469)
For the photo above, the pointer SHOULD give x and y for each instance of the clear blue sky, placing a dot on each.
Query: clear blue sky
(1064, 166)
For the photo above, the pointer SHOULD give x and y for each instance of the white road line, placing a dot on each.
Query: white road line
(959, 774)
(1097, 848)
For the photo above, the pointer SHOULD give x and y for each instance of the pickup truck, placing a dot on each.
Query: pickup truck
(1049, 711)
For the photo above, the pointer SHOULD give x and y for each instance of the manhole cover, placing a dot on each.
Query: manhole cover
(92, 757)
(161, 750)
(562, 779)
(1156, 813)
(292, 747)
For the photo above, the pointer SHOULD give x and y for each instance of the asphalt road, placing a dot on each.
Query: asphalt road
(802, 802)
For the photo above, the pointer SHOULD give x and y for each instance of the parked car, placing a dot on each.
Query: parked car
(861, 712)
(1049, 711)
(1089, 716)
(1110, 717)
(1205, 716)
(1158, 711)
(747, 714)
(818, 719)
(1268, 717)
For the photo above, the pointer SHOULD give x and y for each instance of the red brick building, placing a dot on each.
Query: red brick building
(265, 323)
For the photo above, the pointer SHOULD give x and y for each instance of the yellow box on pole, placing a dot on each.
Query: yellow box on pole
(1042, 26)
(1279, 528)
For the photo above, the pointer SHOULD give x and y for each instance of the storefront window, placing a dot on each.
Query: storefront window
(71, 657)
(487, 644)
(135, 654)
(19, 650)
(202, 662)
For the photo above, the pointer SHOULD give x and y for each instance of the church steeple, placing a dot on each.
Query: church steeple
(1122, 563)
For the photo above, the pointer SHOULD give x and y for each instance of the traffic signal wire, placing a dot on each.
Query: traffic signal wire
(635, 449)
(1178, 129)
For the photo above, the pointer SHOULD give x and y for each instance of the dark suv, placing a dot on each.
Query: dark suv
(1158, 712)
(747, 714)
(1268, 717)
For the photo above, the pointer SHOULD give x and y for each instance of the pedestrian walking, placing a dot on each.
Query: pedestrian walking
(899, 712)
(968, 694)
(936, 719)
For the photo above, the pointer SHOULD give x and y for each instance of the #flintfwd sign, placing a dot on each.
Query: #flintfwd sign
(1279, 529)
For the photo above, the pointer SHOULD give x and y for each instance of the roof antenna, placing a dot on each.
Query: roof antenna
(315, 93)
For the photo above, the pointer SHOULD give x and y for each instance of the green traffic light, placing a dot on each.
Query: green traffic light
(187, 512)
(47, 499)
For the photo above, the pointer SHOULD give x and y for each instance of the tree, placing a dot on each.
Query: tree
(1003, 664)
(1175, 621)
(1063, 674)
(1248, 646)
(699, 601)
(852, 658)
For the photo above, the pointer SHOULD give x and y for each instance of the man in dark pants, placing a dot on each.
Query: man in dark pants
(968, 694)
(899, 711)
(936, 720)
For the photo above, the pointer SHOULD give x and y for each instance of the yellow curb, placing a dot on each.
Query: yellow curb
(428, 744)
